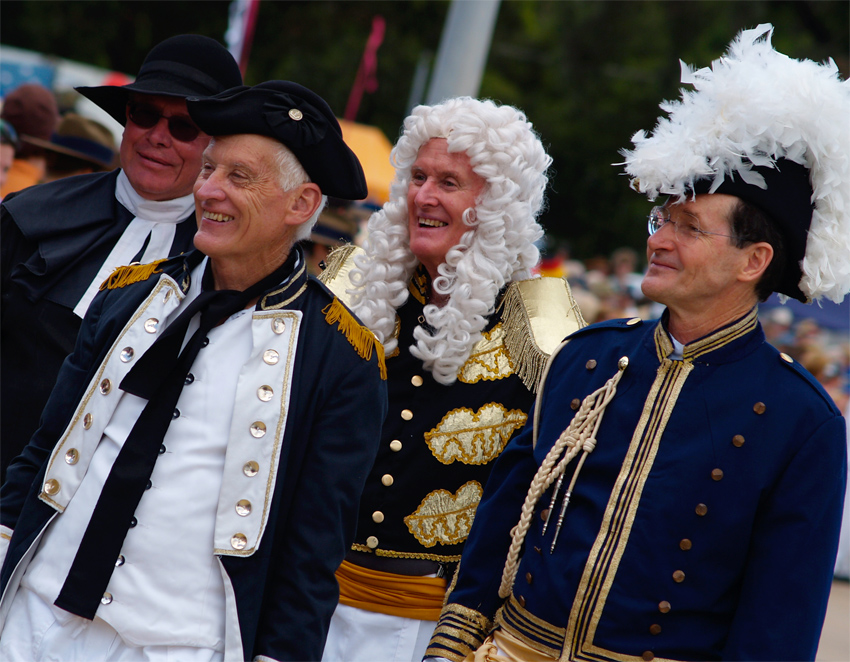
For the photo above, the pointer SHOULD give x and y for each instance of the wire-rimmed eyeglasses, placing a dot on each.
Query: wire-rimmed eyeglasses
(686, 230)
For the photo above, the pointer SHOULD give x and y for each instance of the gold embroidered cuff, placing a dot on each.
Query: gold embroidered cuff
(459, 632)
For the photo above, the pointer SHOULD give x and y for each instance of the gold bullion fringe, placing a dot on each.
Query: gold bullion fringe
(133, 273)
(527, 359)
(360, 337)
(335, 261)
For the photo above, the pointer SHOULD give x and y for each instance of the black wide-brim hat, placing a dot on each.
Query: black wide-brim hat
(188, 65)
(297, 117)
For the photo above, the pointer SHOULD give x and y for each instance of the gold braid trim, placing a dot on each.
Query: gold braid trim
(537, 314)
(459, 632)
(440, 558)
(335, 261)
(361, 338)
(133, 273)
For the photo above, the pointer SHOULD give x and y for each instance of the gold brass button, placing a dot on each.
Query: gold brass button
(127, 354)
(243, 507)
(106, 599)
(759, 408)
(119, 561)
(295, 114)
(52, 487)
(258, 429)
(786, 358)
(386, 480)
(377, 517)
(528, 577)
(633, 321)
(521, 600)
(105, 386)
(416, 380)
(544, 514)
(575, 403)
(738, 440)
(717, 474)
(87, 421)
(371, 542)
(590, 365)
(265, 393)
(395, 445)
(655, 629)
(72, 456)
(685, 544)
(151, 325)
(238, 541)
(406, 414)
(701, 509)
(271, 356)
(648, 656)
(278, 325)
(250, 469)
(664, 606)
(678, 576)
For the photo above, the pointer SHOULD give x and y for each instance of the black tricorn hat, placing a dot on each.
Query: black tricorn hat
(295, 116)
(188, 65)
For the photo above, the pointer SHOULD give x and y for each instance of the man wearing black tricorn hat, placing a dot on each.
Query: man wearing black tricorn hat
(61, 240)
(196, 478)
(679, 493)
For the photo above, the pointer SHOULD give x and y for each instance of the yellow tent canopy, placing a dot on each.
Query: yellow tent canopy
(372, 147)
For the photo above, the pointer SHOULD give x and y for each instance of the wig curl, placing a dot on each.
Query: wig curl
(499, 246)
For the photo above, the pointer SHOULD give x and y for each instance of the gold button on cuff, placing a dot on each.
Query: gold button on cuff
(52, 487)
(406, 414)
(575, 403)
(265, 393)
(258, 429)
(295, 114)
(655, 629)
(678, 576)
(127, 354)
(72, 456)
(151, 325)
(271, 356)
(664, 606)
(105, 386)
(685, 544)
(701, 509)
(738, 440)
(521, 600)
(759, 408)
(386, 480)
(633, 321)
(416, 380)
(395, 445)
(377, 517)
(278, 325)
(238, 541)
(88, 419)
(250, 469)
(786, 358)
(243, 508)
(106, 599)
(590, 365)
(371, 542)
(717, 474)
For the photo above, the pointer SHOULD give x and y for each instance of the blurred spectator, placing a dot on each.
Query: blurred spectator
(8, 148)
(624, 277)
(30, 108)
(337, 225)
(78, 146)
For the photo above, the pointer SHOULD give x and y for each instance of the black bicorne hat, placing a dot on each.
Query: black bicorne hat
(188, 65)
(297, 117)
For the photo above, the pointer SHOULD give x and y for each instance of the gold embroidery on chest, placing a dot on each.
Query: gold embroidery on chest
(488, 360)
(443, 517)
(474, 437)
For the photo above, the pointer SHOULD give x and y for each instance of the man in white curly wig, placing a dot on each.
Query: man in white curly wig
(445, 283)
(679, 493)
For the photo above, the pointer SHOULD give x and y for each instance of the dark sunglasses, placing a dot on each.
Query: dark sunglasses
(181, 128)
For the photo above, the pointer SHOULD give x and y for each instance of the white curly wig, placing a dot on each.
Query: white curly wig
(498, 247)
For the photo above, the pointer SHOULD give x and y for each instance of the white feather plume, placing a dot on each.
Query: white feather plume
(754, 106)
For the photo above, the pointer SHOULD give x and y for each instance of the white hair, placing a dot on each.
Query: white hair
(498, 248)
(292, 174)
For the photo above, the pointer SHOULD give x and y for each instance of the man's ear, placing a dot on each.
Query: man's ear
(758, 257)
(304, 201)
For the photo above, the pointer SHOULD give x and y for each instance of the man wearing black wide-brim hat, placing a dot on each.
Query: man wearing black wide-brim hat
(201, 459)
(686, 502)
(61, 240)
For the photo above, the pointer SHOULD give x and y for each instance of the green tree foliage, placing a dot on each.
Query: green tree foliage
(589, 73)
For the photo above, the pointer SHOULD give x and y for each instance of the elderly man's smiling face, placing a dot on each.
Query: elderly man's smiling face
(442, 187)
(246, 221)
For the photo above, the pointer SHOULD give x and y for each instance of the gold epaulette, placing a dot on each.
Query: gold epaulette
(537, 314)
(360, 337)
(133, 273)
(336, 274)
